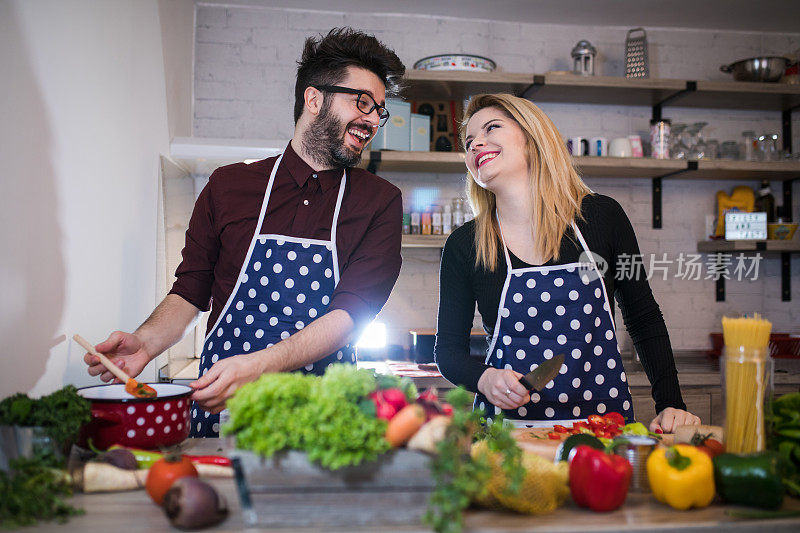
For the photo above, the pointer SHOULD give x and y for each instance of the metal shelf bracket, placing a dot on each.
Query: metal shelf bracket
(691, 86)
(657, 189)
(374, 161)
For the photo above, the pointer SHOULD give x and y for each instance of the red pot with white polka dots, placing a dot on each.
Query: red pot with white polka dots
(120, 418)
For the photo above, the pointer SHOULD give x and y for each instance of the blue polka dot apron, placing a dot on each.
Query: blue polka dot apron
(548, 310)
(285, 283)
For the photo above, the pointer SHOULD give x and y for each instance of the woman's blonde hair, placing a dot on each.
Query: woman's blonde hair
(555, 186)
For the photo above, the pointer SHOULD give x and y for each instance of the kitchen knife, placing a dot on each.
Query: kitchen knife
(543, 374)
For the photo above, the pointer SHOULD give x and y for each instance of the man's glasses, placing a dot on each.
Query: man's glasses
(365, 102)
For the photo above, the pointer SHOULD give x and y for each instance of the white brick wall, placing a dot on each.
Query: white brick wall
(244, 80)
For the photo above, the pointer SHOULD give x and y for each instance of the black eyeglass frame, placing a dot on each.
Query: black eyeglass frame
(383, 113)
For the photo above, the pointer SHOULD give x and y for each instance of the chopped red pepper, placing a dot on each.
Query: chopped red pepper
(558, 428)
(616, 418)
(598, 480)
(554, 436)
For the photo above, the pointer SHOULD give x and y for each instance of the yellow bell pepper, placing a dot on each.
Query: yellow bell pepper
(681, 476)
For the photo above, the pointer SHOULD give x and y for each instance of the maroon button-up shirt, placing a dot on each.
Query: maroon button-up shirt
(301, 204)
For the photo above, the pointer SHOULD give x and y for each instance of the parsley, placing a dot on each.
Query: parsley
(461, 478)
(34, 490)
(61, 413)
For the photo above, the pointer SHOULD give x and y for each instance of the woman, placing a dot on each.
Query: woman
(531, 259)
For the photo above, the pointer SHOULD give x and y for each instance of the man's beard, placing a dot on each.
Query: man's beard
(324, 141)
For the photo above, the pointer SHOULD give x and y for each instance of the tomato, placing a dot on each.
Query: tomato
(560, 429)
(395, 397)
(580, 424)
(385, 410)
(554, 436)
(596, 421)
(165, 472)
(615, 418)
(574, 431)
(709, 446)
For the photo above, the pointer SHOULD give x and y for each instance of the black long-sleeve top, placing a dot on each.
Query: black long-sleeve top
(608, 233)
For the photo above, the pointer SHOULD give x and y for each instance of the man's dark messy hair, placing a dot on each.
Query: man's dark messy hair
(325, 61)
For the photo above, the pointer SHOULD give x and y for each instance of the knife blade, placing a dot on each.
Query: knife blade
(543, 374)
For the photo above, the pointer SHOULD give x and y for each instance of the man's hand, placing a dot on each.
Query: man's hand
(502, 387)
(124, 350)
(223, 379)
(670, 418)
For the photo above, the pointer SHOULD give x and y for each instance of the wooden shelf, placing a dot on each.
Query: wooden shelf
(570, 88)
(431, 162)
(748, 246)
(745, 170)
(424, 241)
(627, 167)
(603, 167)
(457, 85)
(609, 90)
(742, 95)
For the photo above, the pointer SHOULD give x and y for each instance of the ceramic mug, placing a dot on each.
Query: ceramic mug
(598, 147)
(578, 146)
(620, 147)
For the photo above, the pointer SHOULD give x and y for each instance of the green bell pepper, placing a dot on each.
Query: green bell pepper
(753, 479)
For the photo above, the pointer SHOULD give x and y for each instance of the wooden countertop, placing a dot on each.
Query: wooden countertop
(134, 511)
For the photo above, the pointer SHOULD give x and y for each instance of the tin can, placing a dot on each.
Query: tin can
(659, 138)
(406, 223)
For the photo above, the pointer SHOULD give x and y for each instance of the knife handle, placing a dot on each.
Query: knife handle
(525, 383)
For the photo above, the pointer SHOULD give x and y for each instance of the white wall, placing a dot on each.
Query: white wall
(84, 121)
(244, 78)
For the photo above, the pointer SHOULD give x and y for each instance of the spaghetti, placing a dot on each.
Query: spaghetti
(747, 381)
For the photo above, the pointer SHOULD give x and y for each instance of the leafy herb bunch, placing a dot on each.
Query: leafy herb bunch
(34, 489)
(461, 478)
(61, 413)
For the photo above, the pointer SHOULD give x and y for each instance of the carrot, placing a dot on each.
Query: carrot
(404, 424)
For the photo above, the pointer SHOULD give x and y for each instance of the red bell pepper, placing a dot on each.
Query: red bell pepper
(598, 480)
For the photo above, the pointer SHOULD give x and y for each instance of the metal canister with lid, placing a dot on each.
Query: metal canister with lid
(636, 449)
(659, 138)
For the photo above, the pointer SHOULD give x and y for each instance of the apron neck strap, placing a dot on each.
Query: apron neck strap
(505, 248)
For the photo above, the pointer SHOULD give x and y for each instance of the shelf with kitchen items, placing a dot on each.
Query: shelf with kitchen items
(556, 87)
(598, 167)
(570, 88)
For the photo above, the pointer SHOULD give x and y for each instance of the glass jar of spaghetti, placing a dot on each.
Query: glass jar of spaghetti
(747, 381)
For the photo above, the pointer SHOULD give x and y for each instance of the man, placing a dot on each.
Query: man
(294, 253)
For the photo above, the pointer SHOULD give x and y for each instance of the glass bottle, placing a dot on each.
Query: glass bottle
(436, 220)
(458, 212)
(415, 223)
(447, 221)
(765, 201)
(425, 225)
(749, 145)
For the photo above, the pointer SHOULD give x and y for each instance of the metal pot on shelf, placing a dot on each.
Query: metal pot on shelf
(768, 68)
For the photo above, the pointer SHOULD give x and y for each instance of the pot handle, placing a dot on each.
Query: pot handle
(726, 68)
(99, 414)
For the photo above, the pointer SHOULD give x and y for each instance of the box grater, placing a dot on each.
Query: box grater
(636, 54)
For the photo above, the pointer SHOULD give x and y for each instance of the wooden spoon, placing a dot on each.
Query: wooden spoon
(140, 390)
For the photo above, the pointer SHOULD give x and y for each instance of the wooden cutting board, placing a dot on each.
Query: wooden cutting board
(535, 440)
